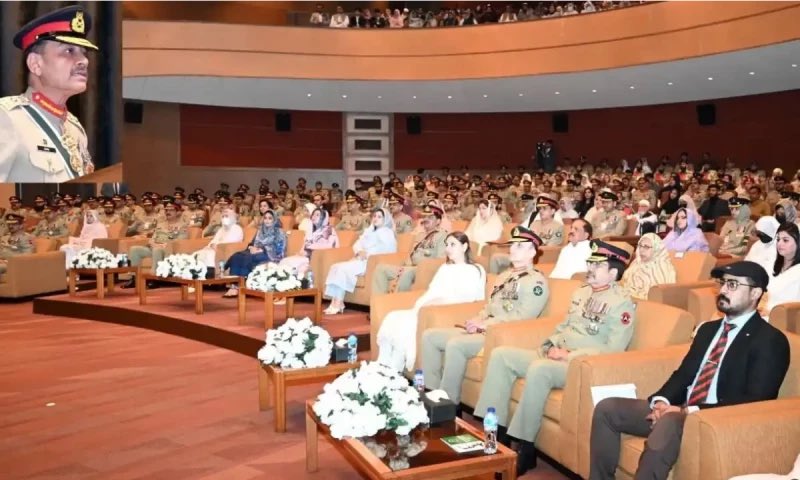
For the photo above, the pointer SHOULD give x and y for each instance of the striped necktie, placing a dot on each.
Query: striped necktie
(703, 384)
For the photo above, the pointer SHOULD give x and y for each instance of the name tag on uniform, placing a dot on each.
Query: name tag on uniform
(44, 148)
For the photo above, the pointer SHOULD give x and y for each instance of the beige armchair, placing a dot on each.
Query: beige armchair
(718, 443)
(692, 270)
(120, 245)
(34, 274)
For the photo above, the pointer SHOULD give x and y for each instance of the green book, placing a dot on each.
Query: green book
(463, 443)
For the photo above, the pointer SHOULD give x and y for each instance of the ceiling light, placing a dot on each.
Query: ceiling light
(558, 93)
(344, 96)
(380, 96)
(308, 95)
(450, 97)
(794, 65)
(414, 97)
(632, 87)
(669, 83)
(711, 78)
(752, 73)
(521, 94)
(594, 90)
(485, 96)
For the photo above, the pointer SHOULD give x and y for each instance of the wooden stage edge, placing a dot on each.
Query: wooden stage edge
(218, 337)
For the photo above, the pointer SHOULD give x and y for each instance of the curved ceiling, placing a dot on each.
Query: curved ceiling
(759, 70)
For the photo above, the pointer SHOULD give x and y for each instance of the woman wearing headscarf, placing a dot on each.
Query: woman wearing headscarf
(784, 287)
(684, 201)
(304, 222)
(785, 211)
(567, 208)
(321, 237)
(736, 231)
(268, 245)
(652, 266)
(229, 232)
(459, 280)
(686, 237)
(92, 228)
(485, 226)
(378, 238)
(763, 251)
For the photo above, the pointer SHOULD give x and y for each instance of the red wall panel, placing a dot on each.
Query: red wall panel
(246, 137)
(758, 127)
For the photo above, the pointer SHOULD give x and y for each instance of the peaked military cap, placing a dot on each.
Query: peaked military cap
(450, 197)
(526, 197)
(606, 195)
(738, 201)
(66, 25)
(14, 219)
(603, 252)
(429, 210)
(521, 234)
(544, 201)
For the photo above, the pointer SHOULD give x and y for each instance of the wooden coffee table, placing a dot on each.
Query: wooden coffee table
(142, 279)
(104, 276)
(437, 461)
(273, 380)
(269, 303)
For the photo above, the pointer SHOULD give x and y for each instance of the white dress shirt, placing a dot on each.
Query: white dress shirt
(571, 260)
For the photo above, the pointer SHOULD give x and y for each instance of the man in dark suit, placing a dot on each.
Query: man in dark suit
(739, 359)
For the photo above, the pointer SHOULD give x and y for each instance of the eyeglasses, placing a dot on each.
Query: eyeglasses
(731, 284)
(642, 246)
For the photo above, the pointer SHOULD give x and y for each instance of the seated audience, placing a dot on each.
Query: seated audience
(268, 245)
(756, 364)
(643, 215)
(322, 236)
(651, 266)
(230, 232)
(485, 226)
(686, 236)
(784, 287)
(459, 280)
(735, 232)
(573, 256)
(763, 250)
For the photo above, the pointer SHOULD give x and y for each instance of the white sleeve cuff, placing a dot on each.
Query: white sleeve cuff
(658, 399)
(692, 409)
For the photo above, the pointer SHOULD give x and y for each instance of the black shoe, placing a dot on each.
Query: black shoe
(152, 285)
(502, 436)
(130, 283)
(526, 457)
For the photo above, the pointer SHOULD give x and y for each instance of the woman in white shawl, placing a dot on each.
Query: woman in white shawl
(306, 225)
(92, 228)
(763, 251)
(459, 280)
(378, 238)
(485, 226)
(322, 236)
(229, 232)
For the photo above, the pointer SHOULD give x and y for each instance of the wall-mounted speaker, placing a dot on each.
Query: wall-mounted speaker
(561, 122)
(413, 124)
(283, 122)
(133, 112)
(707, 114)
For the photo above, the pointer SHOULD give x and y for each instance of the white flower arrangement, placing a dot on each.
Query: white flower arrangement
(297, 344)
(366, 400)
(96, 257)
(271, 277)
(181, 266)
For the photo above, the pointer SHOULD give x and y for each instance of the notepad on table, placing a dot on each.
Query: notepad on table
(463, 443)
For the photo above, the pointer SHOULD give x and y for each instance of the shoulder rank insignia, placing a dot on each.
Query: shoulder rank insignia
(12, 102)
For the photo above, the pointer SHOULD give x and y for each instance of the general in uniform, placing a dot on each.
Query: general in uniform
(518, 294)
(402, 222)
(51, 225)
(40, 141)
(15, 242)
(610, 221)
(172, 228)
(599, 320)
(431, 245)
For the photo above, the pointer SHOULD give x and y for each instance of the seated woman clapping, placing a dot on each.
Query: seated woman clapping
(378, 238)
(321, 236)
(459, 280)
(652, 266)
(268, 245)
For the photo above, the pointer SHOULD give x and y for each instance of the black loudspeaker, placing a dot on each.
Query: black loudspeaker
(283, 122)
(414, 124)
(706, 114)
(561, 122)
(133, 112)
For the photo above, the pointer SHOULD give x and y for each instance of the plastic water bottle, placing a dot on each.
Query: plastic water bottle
(419, 382)
(221, 270)
(490, 432)
(310, 277)
(352, 348)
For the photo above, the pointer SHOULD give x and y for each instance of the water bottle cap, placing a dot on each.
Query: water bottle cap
(419, 371)
(490, 410)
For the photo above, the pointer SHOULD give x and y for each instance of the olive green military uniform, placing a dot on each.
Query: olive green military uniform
(735, 237)
(164, 232)
(51, 228)
(37, 146)
(597, 322)
(402, 223)
(14, 244)
(194, 218)
(515, 296)
(468, 212)
(430, 245)
(551, 233)
(454, 215)
(504, 217)
(109, 219)
(353, 221)
(606, 224)
(144, 224)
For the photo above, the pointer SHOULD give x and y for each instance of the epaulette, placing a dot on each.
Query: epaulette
(74, 120)
(12, 102)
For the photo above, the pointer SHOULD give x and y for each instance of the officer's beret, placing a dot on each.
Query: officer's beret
(521, 234)
(738, 201)
(609, 196)
(603, 252)
(544, 201)
(66, 25)
(14, 219)
(429, 210)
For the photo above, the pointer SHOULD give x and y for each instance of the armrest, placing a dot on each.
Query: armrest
(786, 317)
(702, 304)
(321, 261)
(719, 443)
(380, 306)
(34, 273)
(187, 246)
(528, 334)
(676, 294)
(545, 268)
(225, 250)
(119, 245)
(445, 316)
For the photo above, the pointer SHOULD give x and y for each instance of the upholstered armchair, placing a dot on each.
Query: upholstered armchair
(34, 274)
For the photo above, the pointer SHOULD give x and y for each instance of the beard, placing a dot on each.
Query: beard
(724, 305)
